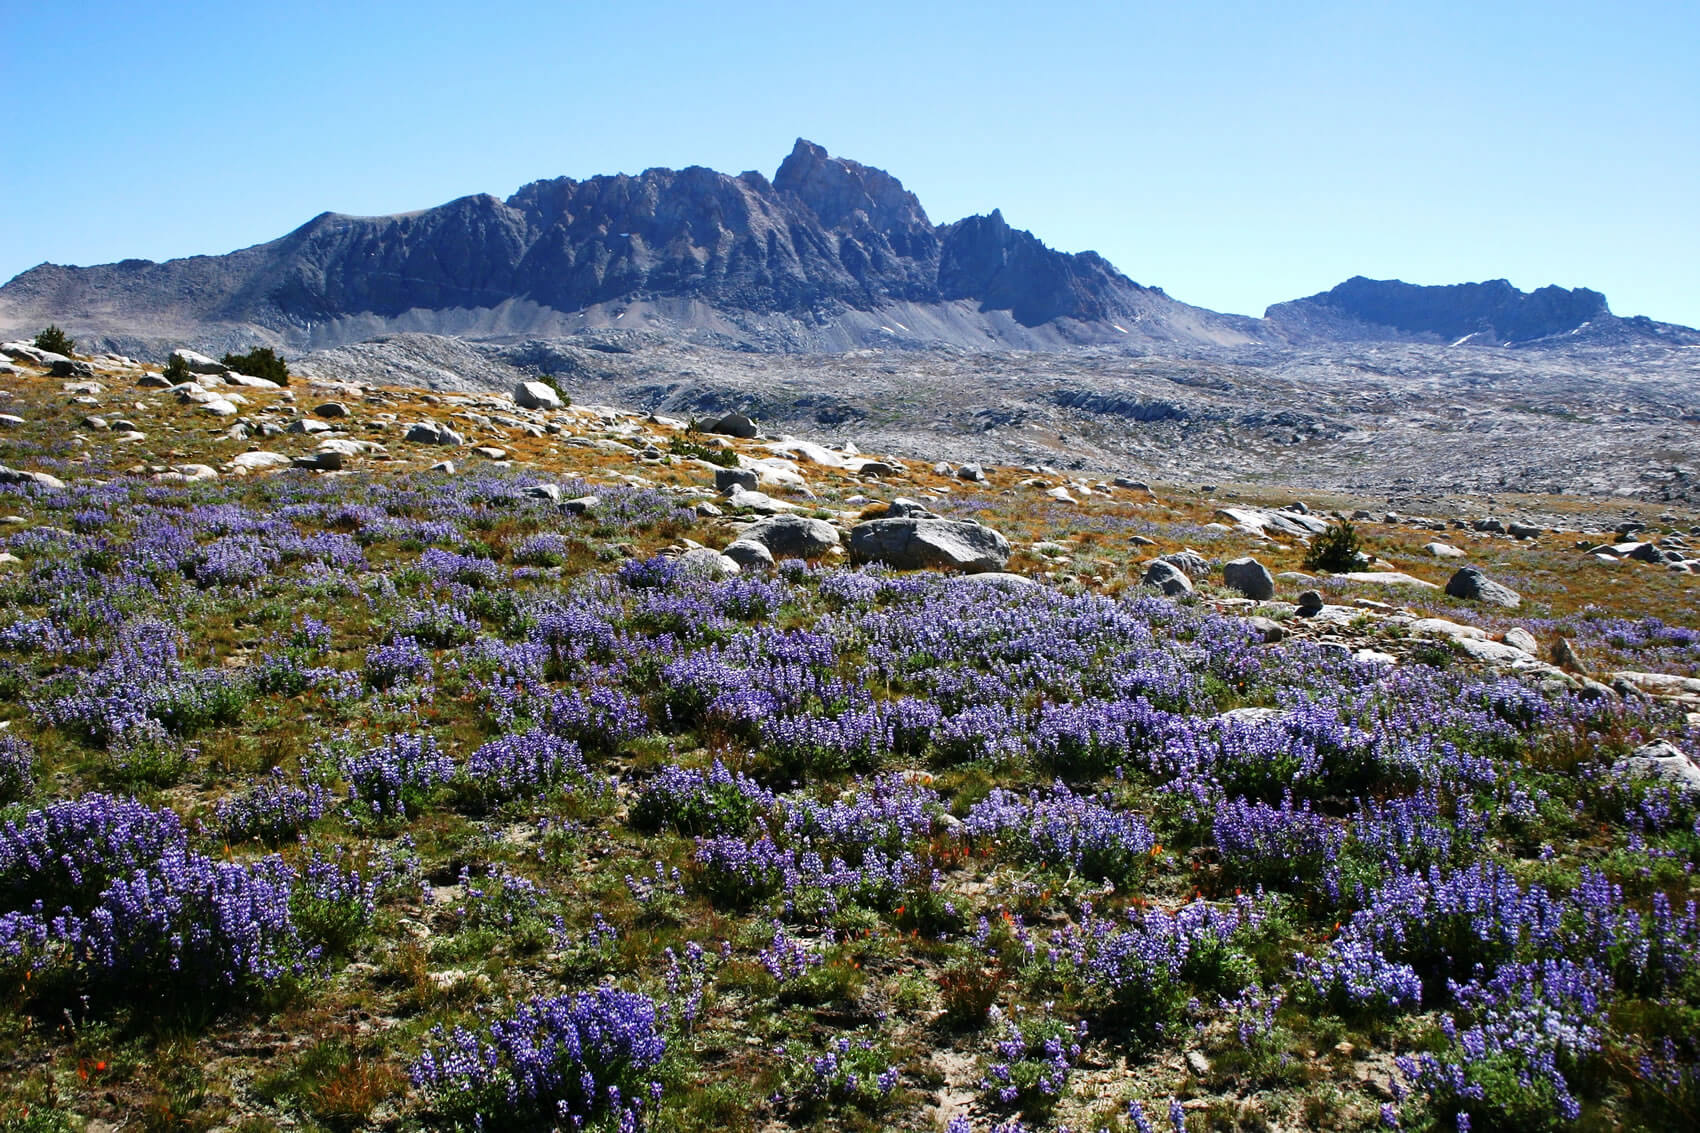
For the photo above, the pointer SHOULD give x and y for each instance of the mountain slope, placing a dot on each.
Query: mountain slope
(828, 244)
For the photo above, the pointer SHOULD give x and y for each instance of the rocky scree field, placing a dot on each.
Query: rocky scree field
(382, 759)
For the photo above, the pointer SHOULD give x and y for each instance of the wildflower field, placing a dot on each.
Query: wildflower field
(412, 801)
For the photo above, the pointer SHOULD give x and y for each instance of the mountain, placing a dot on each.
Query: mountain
(829, 254)
(1486, 314)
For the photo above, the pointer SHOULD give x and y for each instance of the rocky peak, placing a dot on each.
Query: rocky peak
(836, 189)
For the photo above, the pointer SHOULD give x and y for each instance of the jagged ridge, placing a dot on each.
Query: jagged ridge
(825, 236)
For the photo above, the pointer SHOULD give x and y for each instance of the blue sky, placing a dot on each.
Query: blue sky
(1234, 154)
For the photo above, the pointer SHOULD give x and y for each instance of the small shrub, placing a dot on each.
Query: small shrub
(55, 341)
(1336, 550)
(177, 370)
(261, 362)
(724, 457)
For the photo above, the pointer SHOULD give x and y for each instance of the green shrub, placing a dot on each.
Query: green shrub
(261, 362)
(724, 457)
(177, 371)
(1336, 550)
(54, 340)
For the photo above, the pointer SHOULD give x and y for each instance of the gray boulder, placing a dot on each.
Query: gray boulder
(748, 555)
(1310, 604)
(1663, 760)
(929, 544)
(200, 363)
(792, 536)
(1192, 564)
(581, 505)
(550, 492)
(705, 562)
(1168, 578)
(732, 425)
(331, 409)
(431, 433)
(71, 368)
(725, 479)
(971, 472)
(536, 395)
(39, 479)
(904, 508)
(1471, 584)
(1250, 578)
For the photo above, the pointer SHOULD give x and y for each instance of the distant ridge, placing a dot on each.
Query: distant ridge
(829, 255)
(1493, 313)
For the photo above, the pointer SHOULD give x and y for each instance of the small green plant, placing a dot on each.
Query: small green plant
(177, 370)
(261, 362)
(1336, 550)
(55, 341)
(554, 383)
(724, 457)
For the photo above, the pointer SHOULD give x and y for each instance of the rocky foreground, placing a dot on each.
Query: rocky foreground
(385, 758)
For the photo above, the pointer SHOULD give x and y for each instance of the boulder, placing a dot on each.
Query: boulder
(331, 409)
(904, 508)
(219, 407)
(29, 352)
(491, 452)
(929, 544)
(1268, 628)
(1443, 551)
(431, 433)
(792, 536)
(581, 505)
(550, 492)
(320, 462)
(1663, 760)
(39, 479)
(731, 425)
(254, 461)
(1471, 584)
(1191, 563)
(971, 472)
(1310, 604)
(1168, 578)
(71, 368)
(748, 555)
(1646, 553)
(536, 395)
(200, 363)
(759, 502)
(1522, 530)
(1250, 578)
(1519, 638)
(725, 479)
(12, 420)
(309, 426)
(705, 562)
(349, 447)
